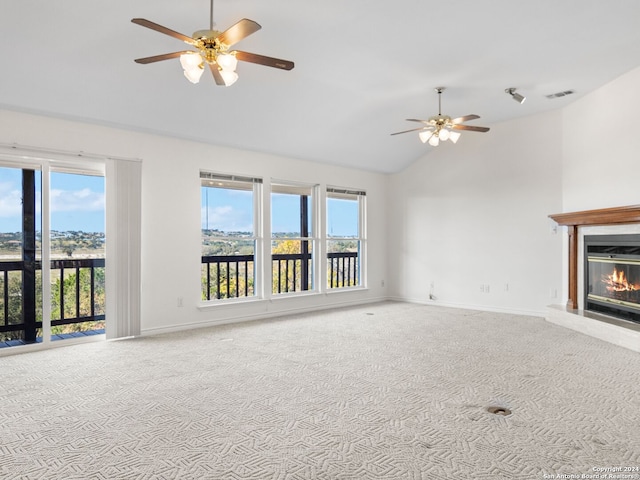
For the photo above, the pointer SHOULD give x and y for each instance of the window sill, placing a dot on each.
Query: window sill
(229, 302)
(333, 291)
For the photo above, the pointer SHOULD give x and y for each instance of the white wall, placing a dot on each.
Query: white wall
(601, 151)
(171, 213)
(474, 214)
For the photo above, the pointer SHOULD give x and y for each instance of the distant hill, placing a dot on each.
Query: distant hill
(73, 242)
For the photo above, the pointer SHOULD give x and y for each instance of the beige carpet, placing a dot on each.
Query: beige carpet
(387, 391)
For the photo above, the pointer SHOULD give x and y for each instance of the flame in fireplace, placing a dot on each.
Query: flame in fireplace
(617, 282)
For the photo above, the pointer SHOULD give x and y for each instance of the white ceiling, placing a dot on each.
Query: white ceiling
(361, 68)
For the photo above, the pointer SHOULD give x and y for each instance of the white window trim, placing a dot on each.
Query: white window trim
(349, 193)
(294, 188)
(258, 236)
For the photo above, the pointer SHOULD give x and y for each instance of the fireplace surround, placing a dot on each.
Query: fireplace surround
(573, 220)
(584, 224)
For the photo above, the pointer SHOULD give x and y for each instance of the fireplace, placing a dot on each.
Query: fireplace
(612, 275)
(615, 255)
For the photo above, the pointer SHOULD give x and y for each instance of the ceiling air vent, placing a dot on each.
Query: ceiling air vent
(561, 94)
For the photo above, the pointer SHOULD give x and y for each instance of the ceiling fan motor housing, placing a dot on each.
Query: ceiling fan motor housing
(210, 47)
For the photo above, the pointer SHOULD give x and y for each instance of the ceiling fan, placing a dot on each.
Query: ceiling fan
(212, 49)
(442, 127)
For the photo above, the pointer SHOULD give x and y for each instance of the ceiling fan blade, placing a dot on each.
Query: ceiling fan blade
(159, 28)
(471, 128)
(412, 130)
(237, 32)
(465, 118)
(159, 58)
(266, 61)
(216, 74)
(417, 120)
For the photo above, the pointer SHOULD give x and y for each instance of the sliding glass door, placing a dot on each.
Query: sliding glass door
(52, 247)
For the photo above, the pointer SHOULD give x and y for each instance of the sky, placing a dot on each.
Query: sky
(77, 201)
(232, 211)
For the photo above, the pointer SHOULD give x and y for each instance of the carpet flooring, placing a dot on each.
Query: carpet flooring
(384, 391)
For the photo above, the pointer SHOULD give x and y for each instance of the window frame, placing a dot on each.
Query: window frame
(229, 181)
(310, 190)
(360, 196)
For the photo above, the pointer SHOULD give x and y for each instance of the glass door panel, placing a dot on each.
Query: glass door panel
(20, 256)
(77, 239)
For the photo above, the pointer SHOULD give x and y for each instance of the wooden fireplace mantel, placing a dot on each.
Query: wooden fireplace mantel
(572, 220)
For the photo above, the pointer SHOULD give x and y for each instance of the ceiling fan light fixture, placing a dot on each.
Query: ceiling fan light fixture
(190, 60)
(194, 74)
(212, 47)
(425, 135)
(227, 62)
(229, 77)
(515, 95)
(193, 66)
(442, 127)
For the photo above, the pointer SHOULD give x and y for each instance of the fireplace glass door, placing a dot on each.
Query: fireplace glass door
(613, 276)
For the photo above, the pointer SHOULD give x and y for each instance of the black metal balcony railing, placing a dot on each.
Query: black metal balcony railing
(342, 269)
(12, 317)
(229, 276)
(291, 272)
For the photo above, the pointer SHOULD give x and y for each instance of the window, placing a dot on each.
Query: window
(345, 237)
(235, 255)
(292, 237)
(229, 235)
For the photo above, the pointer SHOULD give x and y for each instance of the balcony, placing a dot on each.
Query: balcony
(77, 300)
(232, 276)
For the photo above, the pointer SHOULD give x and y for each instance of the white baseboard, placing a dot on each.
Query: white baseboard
(259, 316)
(468, 306)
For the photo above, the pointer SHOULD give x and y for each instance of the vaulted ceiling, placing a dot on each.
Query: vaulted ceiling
(361, 68)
